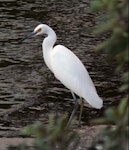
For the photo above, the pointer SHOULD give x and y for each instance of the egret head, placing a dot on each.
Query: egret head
(40, 29)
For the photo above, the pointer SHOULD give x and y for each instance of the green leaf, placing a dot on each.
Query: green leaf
(51, 122)
(122, 106)
(126, 77)
(124, 87)
(105, 26)
(96, 5)
(110, 115)
(99, 121)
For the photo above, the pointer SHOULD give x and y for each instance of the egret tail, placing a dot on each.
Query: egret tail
(94, 100)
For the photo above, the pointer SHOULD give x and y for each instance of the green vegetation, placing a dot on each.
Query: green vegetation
(115, 135)
(115, 21)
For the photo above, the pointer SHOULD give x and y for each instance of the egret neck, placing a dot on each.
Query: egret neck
(48, 44)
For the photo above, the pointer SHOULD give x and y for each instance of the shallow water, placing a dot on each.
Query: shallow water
(28, 90)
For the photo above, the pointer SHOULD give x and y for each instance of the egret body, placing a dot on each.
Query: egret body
(67, 67)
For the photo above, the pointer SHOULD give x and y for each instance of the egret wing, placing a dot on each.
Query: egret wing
(70, 71)
(67, 67)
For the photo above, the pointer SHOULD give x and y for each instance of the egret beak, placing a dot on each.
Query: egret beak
(28, 36)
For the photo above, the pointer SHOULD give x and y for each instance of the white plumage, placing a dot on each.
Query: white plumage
(70, 71)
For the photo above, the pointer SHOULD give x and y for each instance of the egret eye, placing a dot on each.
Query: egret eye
(38, 30)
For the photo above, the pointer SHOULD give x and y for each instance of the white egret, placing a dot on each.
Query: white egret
(67, 68)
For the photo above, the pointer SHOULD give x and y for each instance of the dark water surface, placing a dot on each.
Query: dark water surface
(28, 90)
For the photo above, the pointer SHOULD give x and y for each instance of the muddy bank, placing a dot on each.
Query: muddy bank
(83, 141)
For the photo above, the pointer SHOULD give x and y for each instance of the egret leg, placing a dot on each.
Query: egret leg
(74, 110)
(81, 109)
